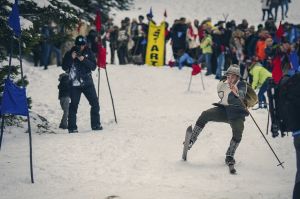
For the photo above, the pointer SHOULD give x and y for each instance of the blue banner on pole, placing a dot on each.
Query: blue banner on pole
(14, 100)
(14, 19)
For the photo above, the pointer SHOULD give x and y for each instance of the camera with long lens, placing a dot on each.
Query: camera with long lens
(77, 50)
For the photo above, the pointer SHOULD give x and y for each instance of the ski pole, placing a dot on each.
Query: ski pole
(268, 123)
(98, 82)
(190, 83)
(280, 163)
(202, 80)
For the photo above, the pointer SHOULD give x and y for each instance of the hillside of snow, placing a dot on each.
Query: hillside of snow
(140, 157)
(202, 9)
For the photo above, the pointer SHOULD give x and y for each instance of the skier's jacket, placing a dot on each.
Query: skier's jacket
(234, 106)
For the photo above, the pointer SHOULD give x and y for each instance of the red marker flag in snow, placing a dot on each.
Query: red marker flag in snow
(196, 69)
(279, 32)
(101, 57)
(98, 21)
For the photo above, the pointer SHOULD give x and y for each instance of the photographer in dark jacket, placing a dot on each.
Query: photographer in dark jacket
(79, 63)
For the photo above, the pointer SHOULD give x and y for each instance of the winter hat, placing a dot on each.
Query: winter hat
(80, 41)
(233, 69)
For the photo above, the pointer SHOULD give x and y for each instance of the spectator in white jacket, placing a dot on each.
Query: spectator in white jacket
(192, 40)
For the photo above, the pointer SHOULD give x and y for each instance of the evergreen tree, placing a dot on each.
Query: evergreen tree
(105, 6)
(63, 13)
(30, 37)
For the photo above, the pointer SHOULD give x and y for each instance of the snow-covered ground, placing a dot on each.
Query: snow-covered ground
(140, 157)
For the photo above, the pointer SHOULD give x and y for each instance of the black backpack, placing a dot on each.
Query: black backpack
(289, 102)
(284, 104)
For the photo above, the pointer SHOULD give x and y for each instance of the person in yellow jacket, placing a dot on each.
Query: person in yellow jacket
(261, 78)
(206, 46)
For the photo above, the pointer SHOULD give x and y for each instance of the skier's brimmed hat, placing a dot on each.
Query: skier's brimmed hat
(233, 69)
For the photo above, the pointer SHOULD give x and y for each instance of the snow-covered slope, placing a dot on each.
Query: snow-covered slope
(140, 157)
(201, 9)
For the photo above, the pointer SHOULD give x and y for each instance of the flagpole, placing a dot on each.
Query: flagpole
(28, 117)
(9, 71)
(10, 56)
(30, 149)
(202, 81)
(112, 100)
(99, 43)
(2, 127)
(98, 82)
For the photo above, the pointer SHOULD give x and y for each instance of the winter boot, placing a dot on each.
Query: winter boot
(231, 151)
(196, 131)
(73, 131)
(97, 127)
(265, 105)
(229, 160)
(260, 106)
(63, 126)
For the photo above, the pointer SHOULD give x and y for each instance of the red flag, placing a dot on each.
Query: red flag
(171, 63)
(165, 13)
(80, 23)
(196, 69)
(277, 71)
(280, 31)
(98, 21)
(101, 57)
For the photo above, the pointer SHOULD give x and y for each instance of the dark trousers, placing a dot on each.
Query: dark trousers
(218, 114)
(46, 53)
(112, 54)
(64, 103)
(268, 11)
(122, 55)
(90, 93)
(296, 194)
(57, 54)
(261, 92)
(275, 11)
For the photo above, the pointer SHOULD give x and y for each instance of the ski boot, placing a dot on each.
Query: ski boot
(196, 131)
(229, 160)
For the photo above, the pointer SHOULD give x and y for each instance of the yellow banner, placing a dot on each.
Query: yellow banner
(156, 45)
